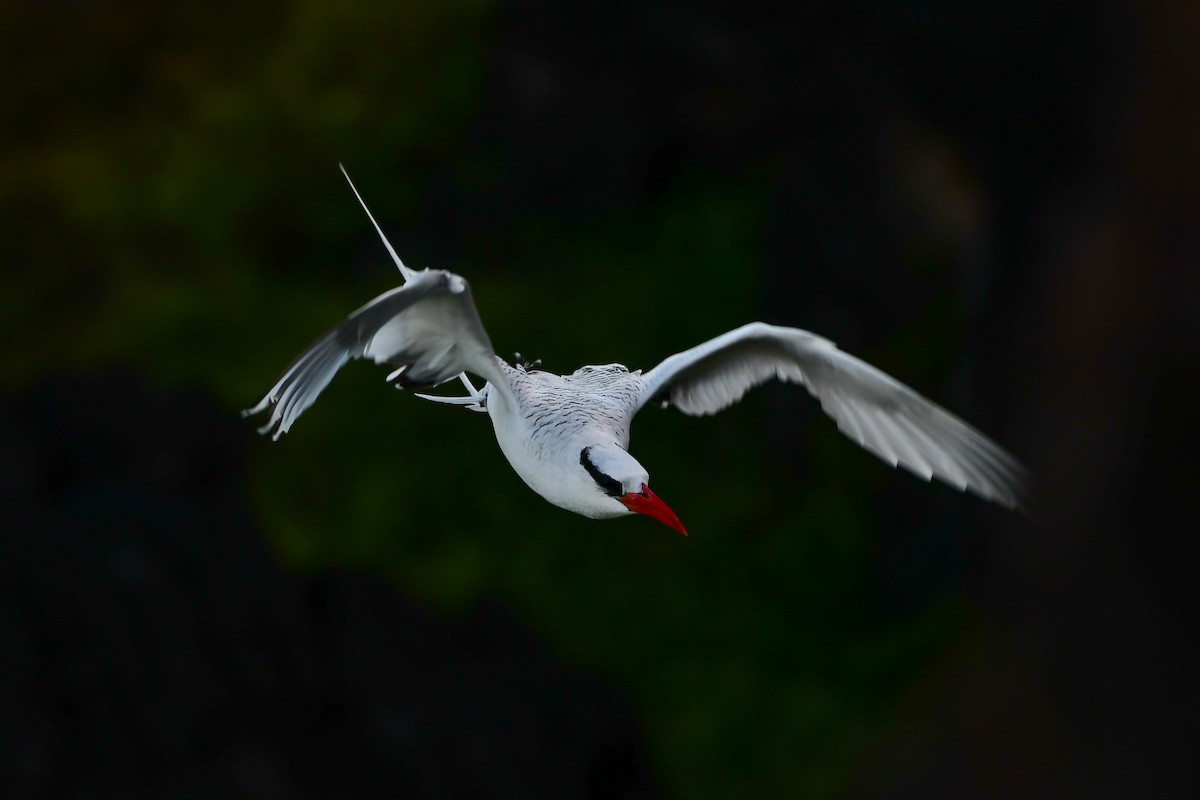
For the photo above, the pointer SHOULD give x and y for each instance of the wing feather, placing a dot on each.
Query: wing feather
(429, 326)
(870, 407)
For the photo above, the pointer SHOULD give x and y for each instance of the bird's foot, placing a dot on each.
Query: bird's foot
(525, 366)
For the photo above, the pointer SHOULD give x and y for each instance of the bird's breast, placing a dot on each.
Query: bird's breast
(545, 424)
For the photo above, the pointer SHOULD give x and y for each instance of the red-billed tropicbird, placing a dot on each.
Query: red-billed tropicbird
(567, 436)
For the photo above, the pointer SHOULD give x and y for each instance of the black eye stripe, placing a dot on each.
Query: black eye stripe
(611, 486)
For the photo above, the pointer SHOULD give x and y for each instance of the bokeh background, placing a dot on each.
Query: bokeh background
(996, 202)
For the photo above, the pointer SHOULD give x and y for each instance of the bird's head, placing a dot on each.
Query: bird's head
(618, 475)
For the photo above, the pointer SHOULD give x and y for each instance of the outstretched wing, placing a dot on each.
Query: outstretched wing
(429, 327)
(883, 415)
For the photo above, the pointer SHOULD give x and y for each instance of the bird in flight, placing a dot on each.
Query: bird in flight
(567, 436)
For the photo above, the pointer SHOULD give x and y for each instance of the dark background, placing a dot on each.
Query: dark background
(998, 203)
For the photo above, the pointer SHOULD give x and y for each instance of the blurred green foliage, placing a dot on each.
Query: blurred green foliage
(171, 201)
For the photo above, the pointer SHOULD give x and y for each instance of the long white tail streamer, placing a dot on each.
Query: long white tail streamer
(475, 396)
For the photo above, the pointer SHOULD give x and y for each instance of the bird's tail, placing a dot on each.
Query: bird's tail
(407, 272)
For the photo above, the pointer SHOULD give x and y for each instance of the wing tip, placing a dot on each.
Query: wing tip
(275, 425)
(259, 407)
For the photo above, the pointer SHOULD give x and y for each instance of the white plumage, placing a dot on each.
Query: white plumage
(567, 435)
